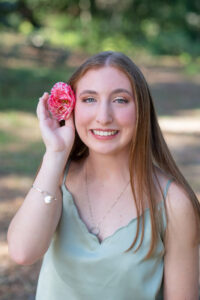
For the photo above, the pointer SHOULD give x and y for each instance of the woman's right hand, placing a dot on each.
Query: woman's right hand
(56, 138)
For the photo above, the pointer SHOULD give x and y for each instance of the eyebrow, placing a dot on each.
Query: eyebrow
(116, 91)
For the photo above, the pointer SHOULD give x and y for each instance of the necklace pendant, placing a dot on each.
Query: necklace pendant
(95, 230)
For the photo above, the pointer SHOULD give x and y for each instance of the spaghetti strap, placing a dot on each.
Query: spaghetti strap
(66, 171)
(167, 188)
(163, 212)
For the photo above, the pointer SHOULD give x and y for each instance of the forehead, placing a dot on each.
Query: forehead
(107, 77)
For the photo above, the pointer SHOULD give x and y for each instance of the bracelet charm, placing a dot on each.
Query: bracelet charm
(47, 197)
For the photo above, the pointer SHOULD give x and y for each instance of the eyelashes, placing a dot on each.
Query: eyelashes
(119, 100)
(122, 100)
(88, 100)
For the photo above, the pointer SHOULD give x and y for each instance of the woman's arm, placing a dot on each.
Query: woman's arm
(181, 263)
(32, 227)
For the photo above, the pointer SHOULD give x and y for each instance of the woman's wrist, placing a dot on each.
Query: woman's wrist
(57, 156)
(55, 159)
(51, 170)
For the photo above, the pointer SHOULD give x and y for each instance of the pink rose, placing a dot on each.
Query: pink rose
(61, 101)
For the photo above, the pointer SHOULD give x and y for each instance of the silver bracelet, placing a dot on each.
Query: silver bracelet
(47, 197)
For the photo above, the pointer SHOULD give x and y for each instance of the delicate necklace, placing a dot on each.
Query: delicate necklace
(96, 228)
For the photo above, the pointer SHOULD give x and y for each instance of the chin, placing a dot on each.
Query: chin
(104, 151)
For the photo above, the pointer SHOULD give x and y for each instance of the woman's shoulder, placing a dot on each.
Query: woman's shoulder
(180, 211)
(176, 198)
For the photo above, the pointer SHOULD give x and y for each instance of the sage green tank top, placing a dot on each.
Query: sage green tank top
(78, 267)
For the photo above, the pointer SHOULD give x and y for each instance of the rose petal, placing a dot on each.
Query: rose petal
(61, 101)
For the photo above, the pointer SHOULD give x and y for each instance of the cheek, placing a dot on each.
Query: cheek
(127, 117)
(81, 115)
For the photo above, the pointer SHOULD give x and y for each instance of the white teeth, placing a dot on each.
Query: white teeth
(104, 133)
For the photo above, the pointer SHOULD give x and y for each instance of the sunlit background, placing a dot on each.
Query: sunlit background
(42, 42)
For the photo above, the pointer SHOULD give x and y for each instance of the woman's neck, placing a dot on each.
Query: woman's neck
(107, 168)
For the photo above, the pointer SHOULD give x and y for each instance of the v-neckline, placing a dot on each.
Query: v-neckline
(85, 228)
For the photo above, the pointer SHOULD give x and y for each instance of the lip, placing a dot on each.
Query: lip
(100, 129)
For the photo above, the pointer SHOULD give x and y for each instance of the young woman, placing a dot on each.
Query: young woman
(125, 223)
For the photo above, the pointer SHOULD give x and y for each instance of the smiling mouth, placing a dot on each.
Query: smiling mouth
(104, 132)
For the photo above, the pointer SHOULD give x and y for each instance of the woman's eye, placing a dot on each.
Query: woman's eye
(121, 100)
(88, 100)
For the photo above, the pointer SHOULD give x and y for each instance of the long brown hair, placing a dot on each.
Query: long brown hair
(148, 147)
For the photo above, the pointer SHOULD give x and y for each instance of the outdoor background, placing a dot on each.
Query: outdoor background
(42, 42)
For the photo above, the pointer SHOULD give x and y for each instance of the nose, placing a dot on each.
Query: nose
(104, 113)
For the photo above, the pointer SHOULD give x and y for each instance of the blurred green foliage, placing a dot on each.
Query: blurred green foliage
(20, 149)
(160, 27)
(28, 84)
